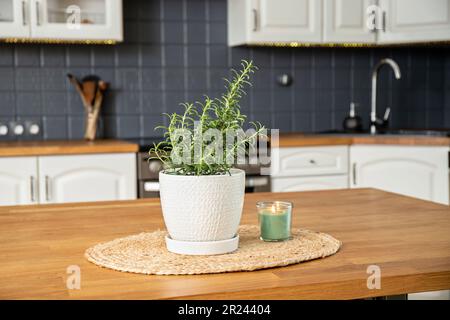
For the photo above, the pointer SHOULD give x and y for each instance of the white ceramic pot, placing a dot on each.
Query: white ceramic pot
(202, 208)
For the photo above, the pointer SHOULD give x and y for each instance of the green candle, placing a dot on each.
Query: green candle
(275, 220)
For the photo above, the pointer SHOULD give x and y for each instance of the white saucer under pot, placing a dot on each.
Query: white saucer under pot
(202, 247)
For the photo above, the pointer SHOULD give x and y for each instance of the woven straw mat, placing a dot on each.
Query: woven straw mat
(146, 253)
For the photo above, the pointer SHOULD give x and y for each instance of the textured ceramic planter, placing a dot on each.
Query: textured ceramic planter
(202, 208)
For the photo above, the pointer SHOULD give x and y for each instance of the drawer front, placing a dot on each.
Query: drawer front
(309, 183)
(290, 162)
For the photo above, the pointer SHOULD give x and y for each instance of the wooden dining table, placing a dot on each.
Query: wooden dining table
(407, 240)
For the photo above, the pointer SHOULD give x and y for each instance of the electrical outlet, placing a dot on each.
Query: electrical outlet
(4, 130)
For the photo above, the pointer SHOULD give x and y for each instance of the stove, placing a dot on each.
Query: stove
(148, 172)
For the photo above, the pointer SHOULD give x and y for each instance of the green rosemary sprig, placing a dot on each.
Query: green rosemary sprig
(182, 136)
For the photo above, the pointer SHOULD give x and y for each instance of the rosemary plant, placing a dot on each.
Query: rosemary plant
(208, 136)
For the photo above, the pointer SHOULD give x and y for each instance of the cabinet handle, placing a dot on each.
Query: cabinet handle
(383, 21)
(255, 20)
(38, 16)
(354, 174)
(24, 13)
(47, 188)
(32, 189)
(151, 186)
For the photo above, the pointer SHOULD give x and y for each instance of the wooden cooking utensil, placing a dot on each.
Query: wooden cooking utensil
(91, 90)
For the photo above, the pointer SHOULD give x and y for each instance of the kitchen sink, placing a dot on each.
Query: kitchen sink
(410, 132)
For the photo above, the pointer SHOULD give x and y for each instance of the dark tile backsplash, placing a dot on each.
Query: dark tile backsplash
(175, 50)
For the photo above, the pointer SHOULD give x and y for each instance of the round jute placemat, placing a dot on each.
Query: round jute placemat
(146, 253)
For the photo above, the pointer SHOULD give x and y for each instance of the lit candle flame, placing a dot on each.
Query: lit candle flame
(273, 208)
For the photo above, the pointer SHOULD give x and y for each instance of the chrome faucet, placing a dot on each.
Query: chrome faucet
(374, 120)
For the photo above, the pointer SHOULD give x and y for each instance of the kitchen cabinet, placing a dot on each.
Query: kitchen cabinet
(294, 22)
(67, 178)
(309, 168)
(62, 19)
(77, 19)
(87, 178)
(415, 21)
(420, 172)
(262, 21)
(417, 171)
(346, 21)
(18, 180)
(432, 295)
(13, 19)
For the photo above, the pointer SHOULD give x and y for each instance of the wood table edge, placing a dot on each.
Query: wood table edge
(321, 291)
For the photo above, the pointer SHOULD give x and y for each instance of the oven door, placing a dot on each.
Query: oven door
(150, 188)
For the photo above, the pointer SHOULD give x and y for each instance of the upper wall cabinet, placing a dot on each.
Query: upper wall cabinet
(62, 19)
(415, 21)
(259, 21)
(18, 181)
(13, 19)
(346, 21)
(337, 21)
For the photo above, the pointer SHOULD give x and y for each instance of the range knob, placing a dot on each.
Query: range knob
(34, 129)
(284, 80)
(19, 129)
(155, 166)
(3, 130)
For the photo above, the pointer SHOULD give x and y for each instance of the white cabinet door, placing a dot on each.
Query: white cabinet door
(83, 178)
(345, 21)
(14, 22)
(18, 180)
(432, 295)
(421, 172)
(287, 21)
(415, 21)
(77, 19)
(281, 21)
(309, 183)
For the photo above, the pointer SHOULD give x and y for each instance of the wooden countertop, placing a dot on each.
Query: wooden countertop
(408, 239)
(305, 140)
(64, 147)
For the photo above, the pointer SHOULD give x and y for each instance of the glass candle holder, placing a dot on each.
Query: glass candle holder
(274, 220)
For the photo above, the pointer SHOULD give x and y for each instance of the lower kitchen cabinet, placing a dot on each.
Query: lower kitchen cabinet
(432, 295)
(309, 183)
(18, 180)
(67, 178)
(417, 171)
(421, 172)
(87, 178)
